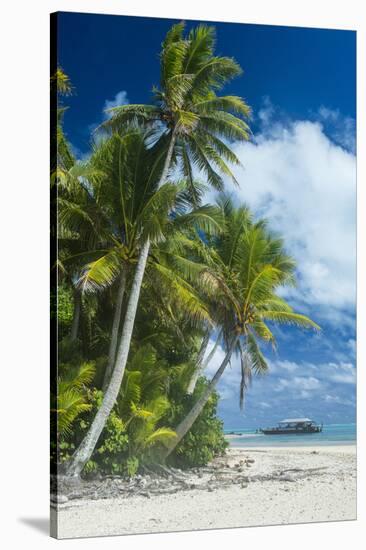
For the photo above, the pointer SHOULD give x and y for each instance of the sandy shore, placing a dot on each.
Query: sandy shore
(284, 485)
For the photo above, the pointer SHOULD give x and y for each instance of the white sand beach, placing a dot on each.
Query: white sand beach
(280, 486)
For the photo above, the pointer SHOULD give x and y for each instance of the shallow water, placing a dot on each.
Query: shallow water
(332, 434)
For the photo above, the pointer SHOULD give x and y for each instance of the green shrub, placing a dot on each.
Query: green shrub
(151, 404)
(111, 453)
(206, 439)
(132, 466)
(65, 305)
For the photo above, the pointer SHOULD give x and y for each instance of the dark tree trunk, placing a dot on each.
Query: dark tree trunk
(76, 316)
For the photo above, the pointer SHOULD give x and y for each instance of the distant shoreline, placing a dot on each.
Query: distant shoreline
(298, 442)
(332, 435)
(332, 448)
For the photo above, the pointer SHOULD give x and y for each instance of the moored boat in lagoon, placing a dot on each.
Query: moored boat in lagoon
(293, 426)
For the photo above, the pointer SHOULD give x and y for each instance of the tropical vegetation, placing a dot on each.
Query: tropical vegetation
(148, 273)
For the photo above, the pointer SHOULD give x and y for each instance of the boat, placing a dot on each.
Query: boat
(294, 426)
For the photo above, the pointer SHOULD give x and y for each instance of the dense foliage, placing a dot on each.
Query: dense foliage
(205, 440)
(147, 272)
(152, 401)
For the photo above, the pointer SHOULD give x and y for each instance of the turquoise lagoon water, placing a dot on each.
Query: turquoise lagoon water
(332, 434)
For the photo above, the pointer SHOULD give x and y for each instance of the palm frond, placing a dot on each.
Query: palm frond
(201, 161)
(160, 435)
(174, 34)
(130, 114)
(70, 404)
(201, 44)
(230, 104)
(246, 374)
(295, 319)
(62, 82)
(262, 285)
(138, 412)
(206, 219)
(185, 295)
(258, 362)
(101, 273)
(225, 125)
(262, 331)
(214, 74)
(171, 60)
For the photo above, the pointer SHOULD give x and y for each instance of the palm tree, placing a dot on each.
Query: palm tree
(126, 194)
(60, 87)
(61, 163)
(78, 227)
(248, 266)
(134, 211)
(195, 123)
(127, 210)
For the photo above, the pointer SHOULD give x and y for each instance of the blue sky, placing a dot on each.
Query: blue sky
(299, 172)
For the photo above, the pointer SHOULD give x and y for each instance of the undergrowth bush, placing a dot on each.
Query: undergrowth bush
(206, 439)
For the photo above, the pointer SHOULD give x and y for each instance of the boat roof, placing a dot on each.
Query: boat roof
(290, 420)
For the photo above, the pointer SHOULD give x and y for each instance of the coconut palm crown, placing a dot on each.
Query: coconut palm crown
(248, 266)
(187, 111)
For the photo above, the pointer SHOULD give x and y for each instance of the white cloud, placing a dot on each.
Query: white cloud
(305, 379)
(339, 400)
(298, 384)
(288, 366)
(119, 99)
(98, 134)
(341, 128)
(266, 113)
(305, 185)
(343, 373)
(290, 379)
(290, 388)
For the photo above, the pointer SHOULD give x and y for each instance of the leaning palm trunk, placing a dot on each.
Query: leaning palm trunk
(76, 316)
(115, 329)
(198, 369)
(191, 417)
(201, 365)
(87, 446)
